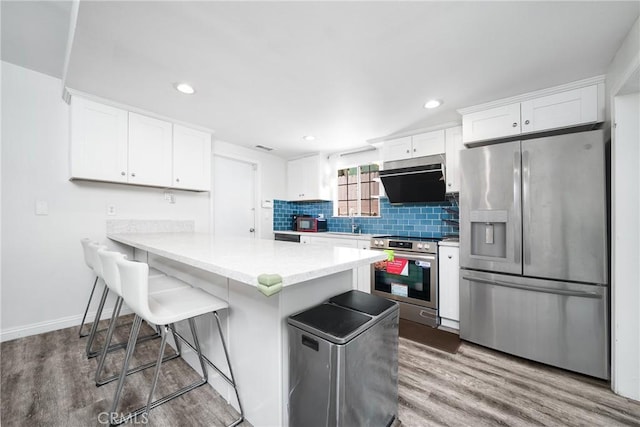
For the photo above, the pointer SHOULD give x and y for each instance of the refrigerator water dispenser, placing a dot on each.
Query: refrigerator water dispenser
(489, 233)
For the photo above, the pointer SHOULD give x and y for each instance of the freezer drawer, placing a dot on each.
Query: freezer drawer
(557, 323)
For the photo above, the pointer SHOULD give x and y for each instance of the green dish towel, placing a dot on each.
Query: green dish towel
(269, 284)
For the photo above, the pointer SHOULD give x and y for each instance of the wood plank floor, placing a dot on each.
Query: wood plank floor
(46, 380)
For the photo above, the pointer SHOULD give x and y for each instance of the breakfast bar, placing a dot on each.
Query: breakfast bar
(255, 325)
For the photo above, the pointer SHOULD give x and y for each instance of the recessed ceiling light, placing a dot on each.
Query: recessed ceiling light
(185, 88)
(309, 137)
(433, 103)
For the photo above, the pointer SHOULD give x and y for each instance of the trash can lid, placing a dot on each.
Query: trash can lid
(330, 321)
(363, 302)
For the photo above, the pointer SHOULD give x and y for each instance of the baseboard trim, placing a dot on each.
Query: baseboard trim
(54, 325)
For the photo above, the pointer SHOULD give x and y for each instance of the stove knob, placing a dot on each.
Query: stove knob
(419, 245)
(375, 243)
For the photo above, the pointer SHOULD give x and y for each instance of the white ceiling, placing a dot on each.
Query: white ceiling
(346, 72)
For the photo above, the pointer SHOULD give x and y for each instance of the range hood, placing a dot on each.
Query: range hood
(415, 180)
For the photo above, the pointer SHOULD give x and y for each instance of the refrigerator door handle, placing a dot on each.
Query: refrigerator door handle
(517, 236)
(535, 288)
(526, 213)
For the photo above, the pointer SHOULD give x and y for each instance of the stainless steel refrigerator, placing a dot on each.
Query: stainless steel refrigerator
(533, 250)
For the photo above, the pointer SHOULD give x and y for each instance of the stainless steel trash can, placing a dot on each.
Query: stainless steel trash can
(343, 362)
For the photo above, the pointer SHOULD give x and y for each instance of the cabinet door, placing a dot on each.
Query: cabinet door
(453, 145)
(191, 159)
(98, 141)
(428, 144)
(149, 151)
(296, 180)
(570, 108)
(397, 149)
(493, 123)
(449, 275)
(306, 179)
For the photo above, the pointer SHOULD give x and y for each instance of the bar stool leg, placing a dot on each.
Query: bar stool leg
(175, 339)
(94, 327)
(86, 310)
(233, 379)
(133, 336)
(156, 374)
(107, 342)
(196, 342)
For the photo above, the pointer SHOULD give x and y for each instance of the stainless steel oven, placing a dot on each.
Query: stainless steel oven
(409, 276)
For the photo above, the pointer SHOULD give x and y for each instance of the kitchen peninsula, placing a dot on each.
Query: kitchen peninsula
(255, 325)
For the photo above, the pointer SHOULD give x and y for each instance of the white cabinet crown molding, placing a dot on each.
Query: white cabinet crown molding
(597, 80)
(132, 109)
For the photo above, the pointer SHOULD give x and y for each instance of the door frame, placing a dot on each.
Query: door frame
(622, 343)
(257, 190)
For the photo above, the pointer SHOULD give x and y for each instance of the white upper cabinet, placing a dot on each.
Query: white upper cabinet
(114, 145)
(574, 104)
(428, 144)
(149, 151)
(307, 179)
(453, 145)
(191, 159)
(560, 110)
(493, 123)
(424, 144)
(98, 141)
(396, 149)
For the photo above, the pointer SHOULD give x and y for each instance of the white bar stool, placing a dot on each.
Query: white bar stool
(111, 277)
(87, 259)
(92, 250)
(164, 309)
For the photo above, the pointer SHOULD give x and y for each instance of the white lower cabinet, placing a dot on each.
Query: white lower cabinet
(449, 286)
(361, 275)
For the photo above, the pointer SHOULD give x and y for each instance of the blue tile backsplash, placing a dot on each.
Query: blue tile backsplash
(417, 220)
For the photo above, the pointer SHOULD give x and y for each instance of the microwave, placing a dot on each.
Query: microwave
(315, 225)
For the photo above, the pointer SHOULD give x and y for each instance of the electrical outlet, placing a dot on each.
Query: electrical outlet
(111, 210)
(42, 207)
(170, 197)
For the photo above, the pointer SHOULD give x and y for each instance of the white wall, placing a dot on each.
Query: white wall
(271, 184)
(625, 288)
(45, 283)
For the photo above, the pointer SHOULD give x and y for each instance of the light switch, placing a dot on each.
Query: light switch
(42, 207)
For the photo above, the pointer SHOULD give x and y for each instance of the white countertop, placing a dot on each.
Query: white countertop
(245, 259)
(454, 243)
(341, 235)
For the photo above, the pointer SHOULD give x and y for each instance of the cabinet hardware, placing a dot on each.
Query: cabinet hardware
(177, 179)
(407, 151)
(514, 124)
(133, 175)
(449, 256)
(122, 173)
(526, 122)
(414, 150)
(449, 184)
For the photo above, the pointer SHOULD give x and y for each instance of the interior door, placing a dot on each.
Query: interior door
(234, 213)
(564, 207)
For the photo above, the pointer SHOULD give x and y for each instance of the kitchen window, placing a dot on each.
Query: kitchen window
(358, 191)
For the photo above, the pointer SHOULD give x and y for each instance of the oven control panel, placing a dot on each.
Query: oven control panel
(404, 245)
